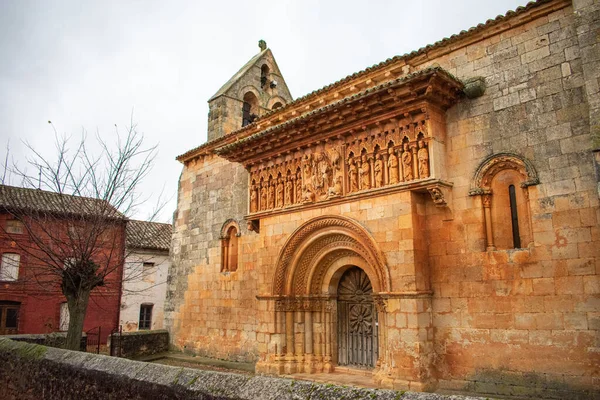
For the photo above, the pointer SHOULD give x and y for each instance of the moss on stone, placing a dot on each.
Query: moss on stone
(24, 350)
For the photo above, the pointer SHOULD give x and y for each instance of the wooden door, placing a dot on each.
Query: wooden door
(357, 321)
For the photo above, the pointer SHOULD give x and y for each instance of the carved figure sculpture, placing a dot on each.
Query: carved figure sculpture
(335, 158)
(336, 189)
(253, 199)
(378, 169)
(321, 173)
(423, 158)
(407, 163)
(353, 173)
(280, 194)
(307, 167)
(263, 198)
(288, 192)
(271, 202)
(393, 167)
(307, 195)
(365, 174)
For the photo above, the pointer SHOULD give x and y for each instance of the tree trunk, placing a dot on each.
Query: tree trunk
(77, 308)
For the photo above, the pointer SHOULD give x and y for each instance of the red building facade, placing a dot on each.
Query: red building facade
(31, 300)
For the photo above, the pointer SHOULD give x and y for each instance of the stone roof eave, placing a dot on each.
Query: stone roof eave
(234, 151)
(491, 27)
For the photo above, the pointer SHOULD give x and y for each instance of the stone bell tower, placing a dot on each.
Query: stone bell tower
(257, 88)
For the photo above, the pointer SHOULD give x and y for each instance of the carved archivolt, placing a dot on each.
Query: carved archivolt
(227, 225)
(498, 162)
(317, 238)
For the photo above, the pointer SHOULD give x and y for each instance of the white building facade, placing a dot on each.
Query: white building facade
(145, 276)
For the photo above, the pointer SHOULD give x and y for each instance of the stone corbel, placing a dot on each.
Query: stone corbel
(439, 195)
(253, 226)
(474, 87)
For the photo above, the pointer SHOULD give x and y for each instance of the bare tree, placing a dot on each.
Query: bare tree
(73, 230)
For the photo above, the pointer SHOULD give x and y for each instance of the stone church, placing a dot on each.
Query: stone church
(430, 222)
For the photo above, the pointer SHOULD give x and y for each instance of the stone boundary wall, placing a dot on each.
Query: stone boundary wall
(31, 372)
(54, 339)
(142, 343)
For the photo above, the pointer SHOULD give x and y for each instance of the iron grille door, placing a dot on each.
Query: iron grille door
(357, 321)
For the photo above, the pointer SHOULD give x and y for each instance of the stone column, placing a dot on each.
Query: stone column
(371, 161)
(487, 210)
(279, 350)
(400, 165)
(299, 339)
(308, 343)
(327, 366)
(225, 255)
(344, 171)
(386, 177)
(290, 366)
(318, 339)
(415, 163)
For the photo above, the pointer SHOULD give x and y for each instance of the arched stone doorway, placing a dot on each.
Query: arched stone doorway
(320, 257)
(357, 322)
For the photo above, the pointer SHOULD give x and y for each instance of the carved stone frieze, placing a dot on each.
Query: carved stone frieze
(388, 154)
(295, 304)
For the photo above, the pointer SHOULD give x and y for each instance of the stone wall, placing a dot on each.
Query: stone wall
(141, 343)
(31, 372)
(503, 321)
(212, 191)
(531, 314)
(55, 339)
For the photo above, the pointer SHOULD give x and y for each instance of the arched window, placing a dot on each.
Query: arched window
(229, 247)
(503, 181)
(264, 75)
(277, 105)
(249, 109)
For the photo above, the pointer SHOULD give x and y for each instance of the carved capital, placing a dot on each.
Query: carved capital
(380, 303)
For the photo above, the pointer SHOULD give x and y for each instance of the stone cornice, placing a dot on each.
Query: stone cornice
(423, 186)
(430, 87)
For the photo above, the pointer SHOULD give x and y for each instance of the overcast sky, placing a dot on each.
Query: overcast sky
(88, 64)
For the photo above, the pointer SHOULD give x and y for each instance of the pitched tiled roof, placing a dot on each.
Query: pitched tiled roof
(36, 200)
(423, 50)
(148, 235)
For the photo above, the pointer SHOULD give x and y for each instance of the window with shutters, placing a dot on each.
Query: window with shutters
(9, 268)
(145, 317)
(14, 226)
